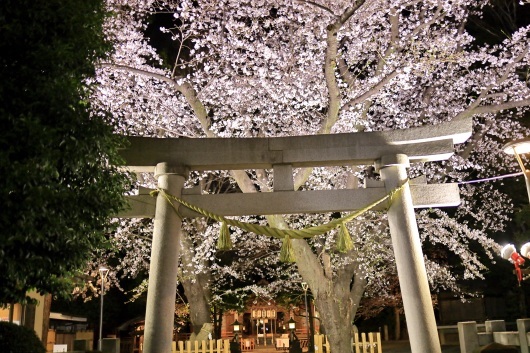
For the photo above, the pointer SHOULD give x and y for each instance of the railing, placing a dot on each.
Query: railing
(360, 343)
(209, 346)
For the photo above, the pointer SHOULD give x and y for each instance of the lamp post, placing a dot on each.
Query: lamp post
(103, 272)
(237, 329)
(310, 344)
(234, 345)
(294, 343)
(292, 326)
(517, 148)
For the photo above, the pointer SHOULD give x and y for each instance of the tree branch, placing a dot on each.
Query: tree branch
(356, 293)
(484, 92)
(344, 72)
(243, 180)
(428, 23)
(261, 175)
(198, 108)
(392, 45)
(485, 109)
(311, 271)
(301, 177)
(350, 11)
(472, 142)
(376, 88)
(318, 5)
(140, 72)
(185, 88)
(330, 66)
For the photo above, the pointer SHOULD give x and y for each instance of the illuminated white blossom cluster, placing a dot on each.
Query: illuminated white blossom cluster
(259, 68)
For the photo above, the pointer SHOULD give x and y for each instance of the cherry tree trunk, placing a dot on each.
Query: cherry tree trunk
(397, 319)
(335, 312)
(337, 294)
(195, 286)
(197, 296)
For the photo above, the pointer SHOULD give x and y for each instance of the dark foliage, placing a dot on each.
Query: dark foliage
(19, 339)
(60, 183)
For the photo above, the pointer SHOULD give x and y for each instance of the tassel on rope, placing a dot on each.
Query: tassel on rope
(224, 242)
(344, 242)
(286, 252)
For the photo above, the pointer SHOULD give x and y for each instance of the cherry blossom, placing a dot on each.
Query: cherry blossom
(261, 68)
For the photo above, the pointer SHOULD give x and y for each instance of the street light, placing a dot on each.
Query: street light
(103, 272)
(305, 287)
(517, 148)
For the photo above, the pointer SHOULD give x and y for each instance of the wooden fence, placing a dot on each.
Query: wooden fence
(362, 343)
(210, 346)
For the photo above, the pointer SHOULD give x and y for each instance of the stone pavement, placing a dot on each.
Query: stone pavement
(404, 347)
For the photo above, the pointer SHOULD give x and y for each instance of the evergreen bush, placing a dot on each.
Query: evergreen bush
(19, 339)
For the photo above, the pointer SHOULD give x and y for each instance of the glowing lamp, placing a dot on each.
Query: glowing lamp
(292, 324)
(237, 326)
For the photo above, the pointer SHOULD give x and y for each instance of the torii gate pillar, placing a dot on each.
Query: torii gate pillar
(417, 302)
(162, 289)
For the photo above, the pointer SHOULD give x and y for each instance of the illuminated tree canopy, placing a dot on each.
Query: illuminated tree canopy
(280, 68)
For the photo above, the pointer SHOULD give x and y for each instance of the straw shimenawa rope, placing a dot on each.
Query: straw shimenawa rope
(344, 241)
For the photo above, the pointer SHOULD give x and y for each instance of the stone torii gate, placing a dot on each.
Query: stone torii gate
(389, 151)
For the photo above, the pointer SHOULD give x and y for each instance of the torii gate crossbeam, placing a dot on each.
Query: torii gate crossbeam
(390, 151)
(294, 202)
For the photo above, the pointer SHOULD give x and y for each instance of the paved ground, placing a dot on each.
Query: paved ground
(388, 347)
(404, 347)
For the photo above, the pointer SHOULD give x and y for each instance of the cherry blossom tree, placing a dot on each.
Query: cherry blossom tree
(261, 68)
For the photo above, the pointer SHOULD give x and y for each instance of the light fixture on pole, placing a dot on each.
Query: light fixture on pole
(517, 148)
(292, 326)
(294, 343)
(103, 272)
(234, 345)
(237, 327)
(305, 287)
